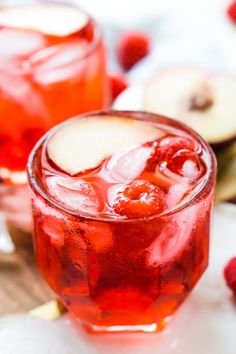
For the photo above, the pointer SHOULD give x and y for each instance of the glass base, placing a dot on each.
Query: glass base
(149, 328)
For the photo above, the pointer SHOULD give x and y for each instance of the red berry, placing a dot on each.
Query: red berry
(132, 47)
(170, 145)
(118, 84)
(230, 274)
(186, 164)
(231, 12)
(165, 149)
(139, 199)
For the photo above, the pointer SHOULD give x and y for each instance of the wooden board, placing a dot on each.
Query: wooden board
(21, 287)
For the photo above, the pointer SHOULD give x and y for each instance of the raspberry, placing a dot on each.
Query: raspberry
(170, 145)
(139, 199)
(118, 84)
(186, 164)
(231, 12)
(230, 274)
(165, 149)
(132, 47)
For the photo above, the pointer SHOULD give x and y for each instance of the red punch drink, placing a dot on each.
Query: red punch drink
(121, 205)
(52, 67)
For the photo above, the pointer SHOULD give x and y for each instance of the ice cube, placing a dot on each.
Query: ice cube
(190, 169)
(75, 194)
(51, 64)
(175, 194)
(58, 55)
(19, 43)
(129, 165)
(173, 238)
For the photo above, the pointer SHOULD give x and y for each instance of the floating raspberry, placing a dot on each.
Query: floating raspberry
(132, 47)
(186, 164)
(231, 12)
(118, 84)
(166, 148)
(139, 199)
(230, 274)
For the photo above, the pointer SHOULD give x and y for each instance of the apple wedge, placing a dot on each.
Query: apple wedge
(207, 103)
(84, 143)
(49, 19)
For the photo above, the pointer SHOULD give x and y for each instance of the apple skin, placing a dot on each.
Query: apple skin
(232, 200)
(223, 145)
(226, 179)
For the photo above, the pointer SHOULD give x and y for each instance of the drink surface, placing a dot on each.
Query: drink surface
(116, 167)
(121, 221)
(52, 67)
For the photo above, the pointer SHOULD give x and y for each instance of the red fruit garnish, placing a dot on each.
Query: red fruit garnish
(230, 274)
(186, 164)
(139, 199)
(132, 47)
(118, 84)
(231, 12)
(166, 148)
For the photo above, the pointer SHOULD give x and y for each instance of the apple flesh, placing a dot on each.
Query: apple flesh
(84, 143)
(49, 19)
(207, 103)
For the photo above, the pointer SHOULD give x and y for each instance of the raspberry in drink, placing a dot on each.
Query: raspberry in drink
(121, 206)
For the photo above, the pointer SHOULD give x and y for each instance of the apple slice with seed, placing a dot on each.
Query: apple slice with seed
(207, 103)
(49, 19)
(85, 142)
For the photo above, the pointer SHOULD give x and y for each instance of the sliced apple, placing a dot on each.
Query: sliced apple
(207, 103)
(84, 143)
(49, 19)
(226, 181)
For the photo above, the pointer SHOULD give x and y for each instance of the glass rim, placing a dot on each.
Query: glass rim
(205, 189)
(98, 34)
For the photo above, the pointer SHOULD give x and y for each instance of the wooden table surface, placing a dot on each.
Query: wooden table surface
(21, 287)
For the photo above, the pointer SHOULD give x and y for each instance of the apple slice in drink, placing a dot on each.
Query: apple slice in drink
(49, 19)
(84, 143)
(205, 102)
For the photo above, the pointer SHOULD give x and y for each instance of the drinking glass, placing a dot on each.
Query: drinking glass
(116, 274)
(52, 67)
